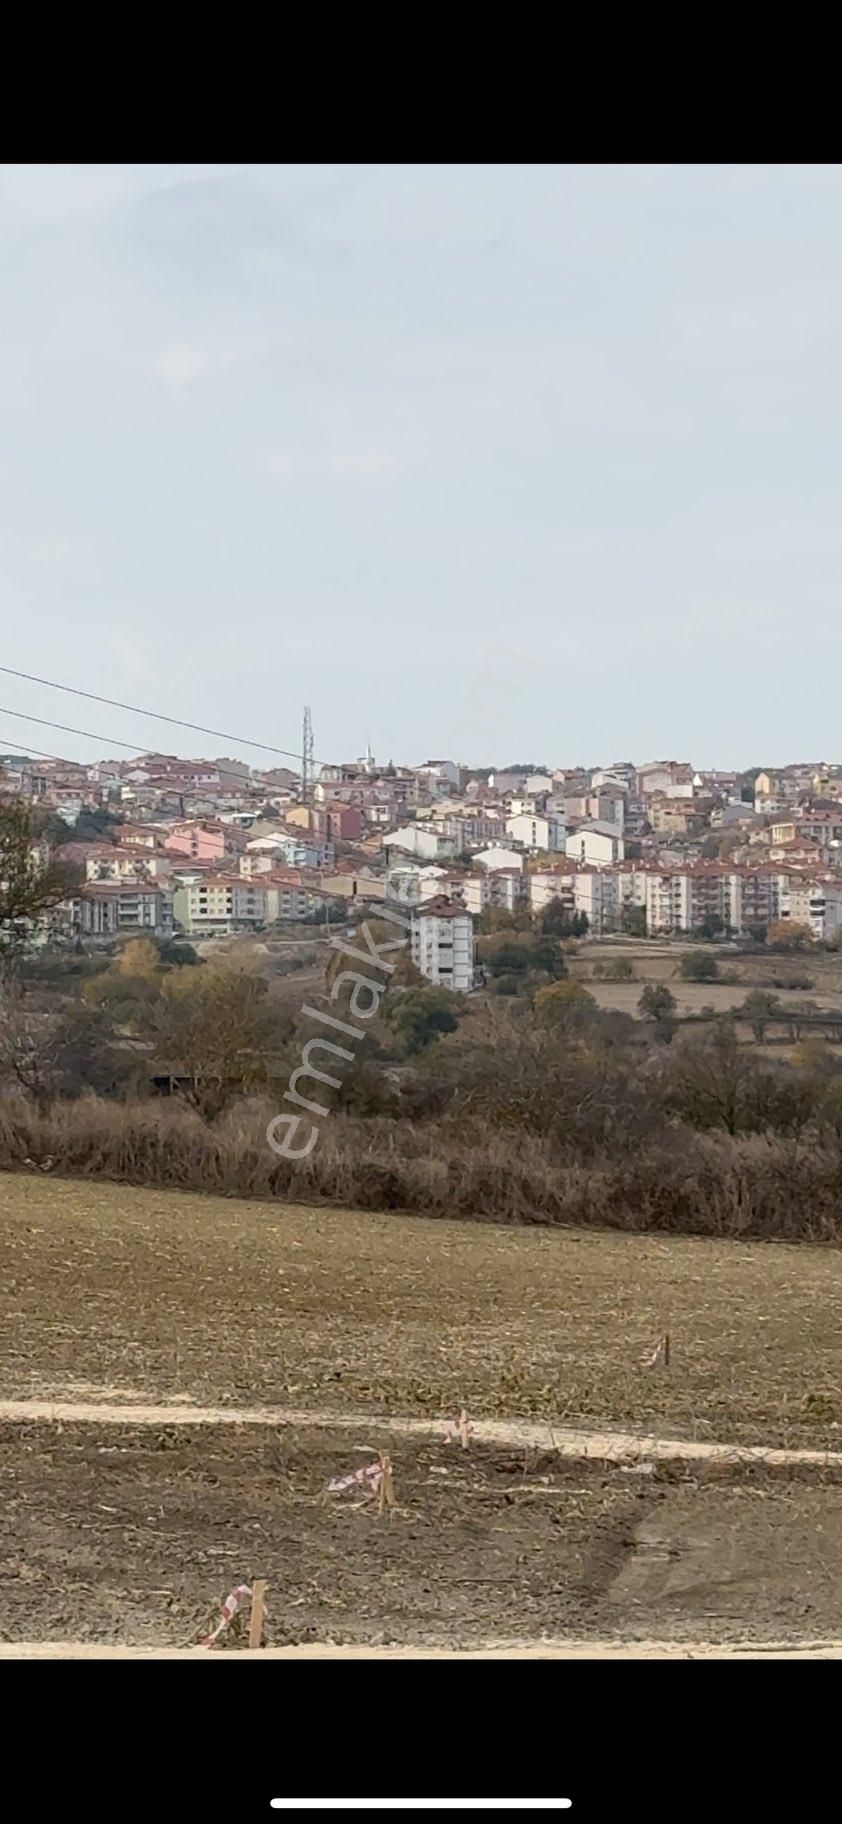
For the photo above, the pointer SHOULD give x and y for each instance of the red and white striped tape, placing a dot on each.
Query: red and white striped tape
(459, 1430)
(240, 1594)
(368, 1479)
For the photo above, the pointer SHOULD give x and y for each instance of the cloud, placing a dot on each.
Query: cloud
(181, 364)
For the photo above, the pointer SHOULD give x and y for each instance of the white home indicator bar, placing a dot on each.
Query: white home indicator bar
(421, 1804)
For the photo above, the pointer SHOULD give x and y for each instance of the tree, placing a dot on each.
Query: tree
(633, 921)
(420, 1015)
(31, 883)
(558, 921)
(787, 934)
(758, 1008)
(132, 982)
(518, 953)
(617, 969)
(55, 1049)
(216, 1027)
(565, 1003)
(497, 918)
(715, 1084)
(697, 966)
(656, 1002)
(177, 953)
(712, 926)
(382, 931)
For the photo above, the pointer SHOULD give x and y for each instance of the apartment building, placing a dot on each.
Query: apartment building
(816, 902)
(469, 826)
(596, 892)
(103, 862)
(219, 904)
(403, 883)
(283, 852)
(442, 941)
(668, 902)
(603, 806)
(121, 909)
(330, 822)
(423, 840)
(222, 904)
(498, 856)
(755, 897)
(536, 832)
(676, 816)
(547, 884)
(660, 775)
(599, 843)
(507, 888)
(205, 840)
(441, 776)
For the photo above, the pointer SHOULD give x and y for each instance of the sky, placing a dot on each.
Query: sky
(499, 463)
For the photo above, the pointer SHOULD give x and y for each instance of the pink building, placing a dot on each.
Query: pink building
(206, 840)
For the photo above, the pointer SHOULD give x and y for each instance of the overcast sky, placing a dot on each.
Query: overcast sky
(501, 463)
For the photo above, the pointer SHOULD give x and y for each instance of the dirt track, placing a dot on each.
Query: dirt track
(568, 1649)
(599, 1446)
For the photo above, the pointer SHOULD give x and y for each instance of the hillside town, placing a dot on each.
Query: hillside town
(161, 845)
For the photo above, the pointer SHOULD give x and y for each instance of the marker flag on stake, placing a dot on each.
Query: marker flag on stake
(240, 1594)
(459, 1430)
(661, 1352)
(369, 1479)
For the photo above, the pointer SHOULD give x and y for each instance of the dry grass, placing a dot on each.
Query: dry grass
(680, 1182)
(161, 1293)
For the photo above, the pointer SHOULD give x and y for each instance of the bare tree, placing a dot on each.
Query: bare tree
(31, 882)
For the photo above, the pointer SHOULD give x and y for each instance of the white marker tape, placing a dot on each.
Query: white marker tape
(421, 1804)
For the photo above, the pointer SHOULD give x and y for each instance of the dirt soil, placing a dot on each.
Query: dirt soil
(131, 1536)
(111, 1292)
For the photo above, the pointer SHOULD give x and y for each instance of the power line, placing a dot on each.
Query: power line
(36, 753)
(65, 728)
(156, 714)
(87, 734)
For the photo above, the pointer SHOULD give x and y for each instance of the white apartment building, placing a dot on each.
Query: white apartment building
(498, 856)
(439, 775)
(443, 945)
(817, 903)
(403, 883)
(504, 887)
(421, 840)
(596, 893)
(669, 902)
(536, 832)
(117, 864)
(545, 885)
(600, 843)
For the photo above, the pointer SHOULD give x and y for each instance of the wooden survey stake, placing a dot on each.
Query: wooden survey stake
(258, 1597)
(387, 1487)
